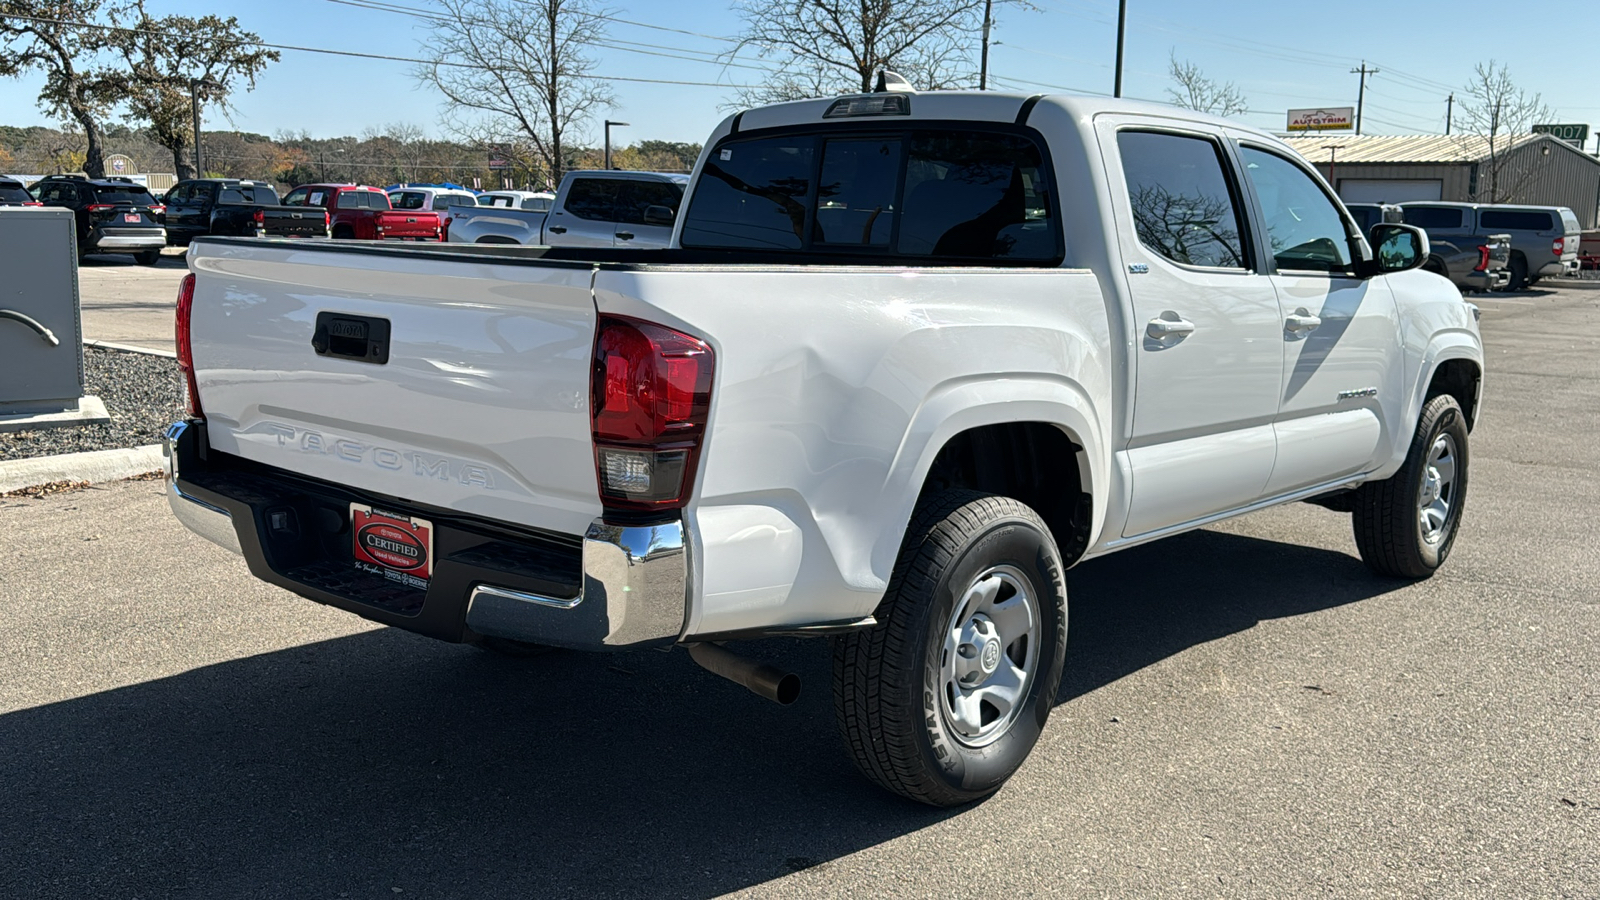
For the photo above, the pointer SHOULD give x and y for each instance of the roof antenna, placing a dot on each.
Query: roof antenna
(892, 83)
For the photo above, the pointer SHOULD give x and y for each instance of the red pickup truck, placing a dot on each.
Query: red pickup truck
(360, 212)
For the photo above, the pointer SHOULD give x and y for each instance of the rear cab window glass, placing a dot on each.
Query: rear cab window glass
(13, 192)
(408, 199)
(1516, 220)
(1434, 218)
(1183, 207)
(245, 193)
(916, 193)
(539, 204)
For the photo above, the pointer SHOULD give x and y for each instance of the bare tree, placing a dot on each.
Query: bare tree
(78, 85)
(821, 47)
(172, 59)
(1495, 113)
(516, 73)
(1197, 92)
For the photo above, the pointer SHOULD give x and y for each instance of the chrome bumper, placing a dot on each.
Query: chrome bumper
(130, 242)
(638, 575)
(210, 522)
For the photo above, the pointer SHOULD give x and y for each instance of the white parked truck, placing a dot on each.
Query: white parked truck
(909, 358)
(590, 209)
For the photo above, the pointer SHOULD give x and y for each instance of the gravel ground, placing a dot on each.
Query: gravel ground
(142, 393)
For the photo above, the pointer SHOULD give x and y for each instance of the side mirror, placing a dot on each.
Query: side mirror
(1398, 248)
(659, 215)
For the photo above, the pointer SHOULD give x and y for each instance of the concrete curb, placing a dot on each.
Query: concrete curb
(129, 348)
(93, 466)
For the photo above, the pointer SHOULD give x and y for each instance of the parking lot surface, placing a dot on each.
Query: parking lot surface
(126, 303)
(1247, 712)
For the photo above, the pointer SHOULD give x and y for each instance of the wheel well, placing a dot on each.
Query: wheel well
(493, 239)
(340, 231)
(1434, 265)
(1034, 462)
(1459, 378)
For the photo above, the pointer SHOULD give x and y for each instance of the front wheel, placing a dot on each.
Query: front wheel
(1406, 524)
(945, 698)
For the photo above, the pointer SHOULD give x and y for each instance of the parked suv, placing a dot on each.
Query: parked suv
(1544, 239)
(12, 193)
(114, 215)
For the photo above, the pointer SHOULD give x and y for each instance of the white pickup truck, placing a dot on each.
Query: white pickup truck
(908, 359)
(590, 209)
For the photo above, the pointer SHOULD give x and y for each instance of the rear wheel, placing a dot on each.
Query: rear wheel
(1519, 272)
(148, 257)
(1406, 524)
(945, 698)
(344, 232)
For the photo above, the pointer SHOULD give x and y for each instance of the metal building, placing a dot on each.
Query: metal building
(1535, 169)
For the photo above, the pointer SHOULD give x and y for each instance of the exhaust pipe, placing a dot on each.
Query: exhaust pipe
(770, 682)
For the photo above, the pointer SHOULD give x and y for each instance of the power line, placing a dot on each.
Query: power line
(348, 53)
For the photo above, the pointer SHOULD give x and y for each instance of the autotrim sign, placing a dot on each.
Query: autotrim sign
(1337, 118)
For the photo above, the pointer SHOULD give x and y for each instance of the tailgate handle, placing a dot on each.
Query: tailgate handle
(345, 336)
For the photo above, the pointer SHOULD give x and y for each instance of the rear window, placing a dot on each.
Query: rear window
(1570, 221)
(1433, 217)
(132, 195)
(593, 198)
(13, 192)
(537, 204)
(408, 199)
(1516, 219)
(966, 195)
(244, 193)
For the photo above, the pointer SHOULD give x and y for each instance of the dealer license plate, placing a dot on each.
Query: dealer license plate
(130, 217)
(396, 546)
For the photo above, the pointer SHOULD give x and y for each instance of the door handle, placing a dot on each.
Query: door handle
(558, 229)
(1162, 328)
(1301, 322)
(624, 235)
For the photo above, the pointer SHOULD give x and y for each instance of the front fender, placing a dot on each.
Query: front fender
(1436, 326)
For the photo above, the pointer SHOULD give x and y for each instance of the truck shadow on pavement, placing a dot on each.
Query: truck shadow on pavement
(357, 765)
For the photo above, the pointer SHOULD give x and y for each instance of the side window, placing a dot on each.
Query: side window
(1434, 218)
(407, 199)
(1515, 220)
(752, 194)
(297, 197)
(180, 195)
(637, 196)
(377, 200)
(982, 196)
(348, 200)
(593, 198)
(1183, 208)
(537, 204)
(1304, 228)
(203, 192)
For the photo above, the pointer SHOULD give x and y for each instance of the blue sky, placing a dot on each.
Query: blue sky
(1280, 54)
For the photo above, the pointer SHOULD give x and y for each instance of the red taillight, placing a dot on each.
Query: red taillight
(261, 217)
(444, 230)
(31, 203)
(96, 207)
(1558, 245)
(157, 210)
(185, 350)
(649, 398)
(1483, 259)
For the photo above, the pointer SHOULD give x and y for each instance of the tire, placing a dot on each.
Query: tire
(1398, 534)
(1436, 266)
(1519, 272)
(513, 649)
(893, 684)
(148, 257)
(1534, 279)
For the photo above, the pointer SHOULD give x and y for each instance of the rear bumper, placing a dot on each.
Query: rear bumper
(1487, 281)
(1558, 267)
(151, 240)
(618, 586)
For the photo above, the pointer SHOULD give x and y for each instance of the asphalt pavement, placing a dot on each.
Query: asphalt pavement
(125, 303)
(1247, 712)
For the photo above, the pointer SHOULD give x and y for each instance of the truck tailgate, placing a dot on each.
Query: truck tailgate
(480, 403)
(294, 221)
(410, 225)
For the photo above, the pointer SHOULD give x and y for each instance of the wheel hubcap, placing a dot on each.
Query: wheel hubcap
(1438, 491)
(991, 650)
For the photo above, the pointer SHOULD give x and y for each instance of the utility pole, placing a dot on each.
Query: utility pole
(983, 66)
(1122, 28)
(1361, 96)
(610, 123)
(1332, 156)
(1449, 111)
